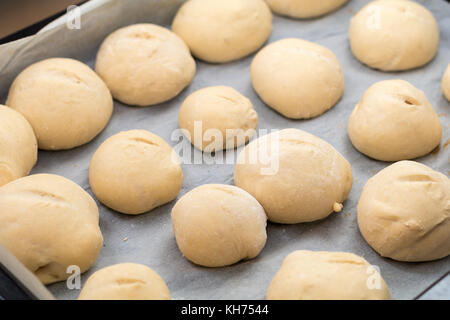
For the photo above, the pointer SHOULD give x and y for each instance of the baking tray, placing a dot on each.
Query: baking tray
(148, 238)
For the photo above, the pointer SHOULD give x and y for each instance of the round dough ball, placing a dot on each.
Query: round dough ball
(49, 223)
(394, 121)
(446, 83)
(296, 176)
(393, 35)
(18, 146)
(134, 172)
(297, 78)
(225, 118)
(66, 103)
(218, 225)
(403, 212)
(322, 275)
(304, 8)
(144, 64)
(223, 30)
(125, 281)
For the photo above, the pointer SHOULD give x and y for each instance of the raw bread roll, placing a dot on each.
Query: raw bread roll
(322, 275)
(144, 64)
(49, 223)
(125, 281)
(217, 110)
(135, 171)
(223, 30)
(66, 103)
(394, 121)
(304, 8)
(297, 78)
(218, 225)
(296, 176)
(393, 35)
(18, 146)
(446, 83)
(404, 212)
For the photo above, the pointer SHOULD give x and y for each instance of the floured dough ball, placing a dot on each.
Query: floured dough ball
(18, 146)
(218, 225)
(144, 64)
(49, 223)
(297, 78)
(393, 35)
(446, 83)
(404, 212)
(394, 121)
(322, 275)
(223, 30)
(66, 103)
(125, 281)
(304, 8)
(135, 171)
(224, 118)
(296, 176)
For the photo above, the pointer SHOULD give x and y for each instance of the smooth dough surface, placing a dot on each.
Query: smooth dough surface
(296, 176)
(144, 64)
(18, 146)
(322, 275)
(304, 8)
(65, 102)
(297, 78)
(49, 223)
(446, 83)
(227, 118)
(404, 212)
(394, 35)
(135, 171)
(223, 30)
(218, 225)
(125, 281)
(394, 121)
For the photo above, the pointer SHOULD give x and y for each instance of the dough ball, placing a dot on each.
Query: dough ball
(297, 78)
(223, 30)
(322, 275)
(225, 118)
(394, 121)
(49, 223)
(304, 8)
(296, 176)
(18, 146)
(218, 225)
(66, 103)
(403, 212)
(393, 35)
(135, 171)
(446, 83)
(125, 281)
(144, 64)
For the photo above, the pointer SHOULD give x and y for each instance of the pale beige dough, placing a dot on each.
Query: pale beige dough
(135, 171)
(18, 146)
(49, 223)
(65, 102)
(217, 118)
(322, 275)
(218, 225)
(404, 212)
(125, 281)
(304, 8)
(144, 64)
(394, 121)
(296, 176)
(223, 30)
(446, 83)
(394, 35)
(297, 78)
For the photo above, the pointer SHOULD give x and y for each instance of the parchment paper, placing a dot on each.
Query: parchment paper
(148, 238)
